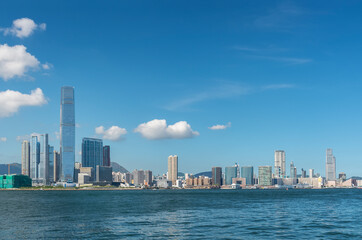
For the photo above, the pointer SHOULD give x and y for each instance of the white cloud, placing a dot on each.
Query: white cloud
(11, 101)
(3, 139)
(46, 66)
(158, 129)
(113, 133)
(277, 86)
(23, 27)
(220, 127)
(15, 61)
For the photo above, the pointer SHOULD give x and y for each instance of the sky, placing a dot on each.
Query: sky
(215, 82)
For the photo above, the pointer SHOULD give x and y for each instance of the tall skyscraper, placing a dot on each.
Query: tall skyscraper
(148, 177)
(106, 156)
(279, 164)
(92, 153)
(247, 173)
(25, 158)
(216, 176)
(311, 173)
(304, 173)
(330, 165)
(57, 166)
(230, 173)
(265, 175)
(67, 133)
(39, 160)
(172, 168)
(138, 177)
(51, 164)
(293, 171)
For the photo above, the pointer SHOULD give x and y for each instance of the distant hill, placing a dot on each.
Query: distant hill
(15, 168)
(206, 174)
(118, 168)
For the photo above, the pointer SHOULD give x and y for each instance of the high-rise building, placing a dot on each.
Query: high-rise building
(25, 158)
(311, 173)
(92, 153)
(265, 176)
(39, 160)
(57, 166)
(304, 173)
(216, 176)
(51, 164)
(293, 170)
(279, 164)
(330, 165)
(172, 169)
(106, 156)
(230, 173)
(342, 176)
(247, 172)
(148, 177)
(67, 133)
(138, 177)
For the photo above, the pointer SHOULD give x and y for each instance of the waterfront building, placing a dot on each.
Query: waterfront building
(128, 177)
(311, 173)
(92, 153)
(51, 163)
(39, 159)
(230, 173)
(67, 134)
(342, 176)
(57, 166)
(247, 172)
(265, 175)
(148, 178)
(330, 165)
(88, 171)
(25, 158)
(104, 174)
(304, 173)
(216, 176)
(293, 171)
(138, 177)
(279, 164)
(107, 156)
(172, 173)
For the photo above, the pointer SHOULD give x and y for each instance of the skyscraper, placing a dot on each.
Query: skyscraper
(34, 157)
(247, 173)
(51, 164)
(230, 173)
(67, 133)
(92, 153)
(265, 175)
(39, 160)
(172, 168)
(311, 173)
(330, 165)
(148, 177)
(279, 164)
(57, 166)
(106, 156)
(293, 171)
(25, 158)
(216, 176)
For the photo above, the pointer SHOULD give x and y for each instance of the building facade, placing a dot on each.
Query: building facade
(57, 166)
(330, 165)
(279, 164)
(107, 156)
(216, 176)
(293, 171)
(51, 164)
(230, 173)
(39, 160)
(67, 133)
(25, 158)
(172, 173)
(247, 172)
(92, 153)
(265, 176)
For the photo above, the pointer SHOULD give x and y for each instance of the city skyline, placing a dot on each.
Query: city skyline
(251, 86)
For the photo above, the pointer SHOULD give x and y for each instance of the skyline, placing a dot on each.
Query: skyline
(238, 98)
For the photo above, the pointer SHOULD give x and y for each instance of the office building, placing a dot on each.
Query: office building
(342, 176)
(51, 164)
(92, 153)
(293, 171)
(104, 174)
(148, 178)
(57, 166)
(265, 175)
(311, 173)
(138, 177)
(25, 158)
(330, 165)
(172, 173)
(39, 160)
(107, 156)
(67, 134)
(230, 173)
(247, 172)
(304, 173)
(216, 176)
(279, 164)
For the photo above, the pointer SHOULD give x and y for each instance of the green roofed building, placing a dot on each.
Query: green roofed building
(14, 181)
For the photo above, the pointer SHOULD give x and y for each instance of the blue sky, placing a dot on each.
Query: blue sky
(277, 74)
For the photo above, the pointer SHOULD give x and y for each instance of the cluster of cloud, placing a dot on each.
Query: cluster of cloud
(23, 27)
(113, 133)
(220, 127)
(15, 61)
(158, 129)
(11, 101)
(3, 139)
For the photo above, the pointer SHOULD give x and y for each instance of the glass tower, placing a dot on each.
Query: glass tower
(92, 153)
(230, 173)
(247, 173)
(330, 165)
(67, 134)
